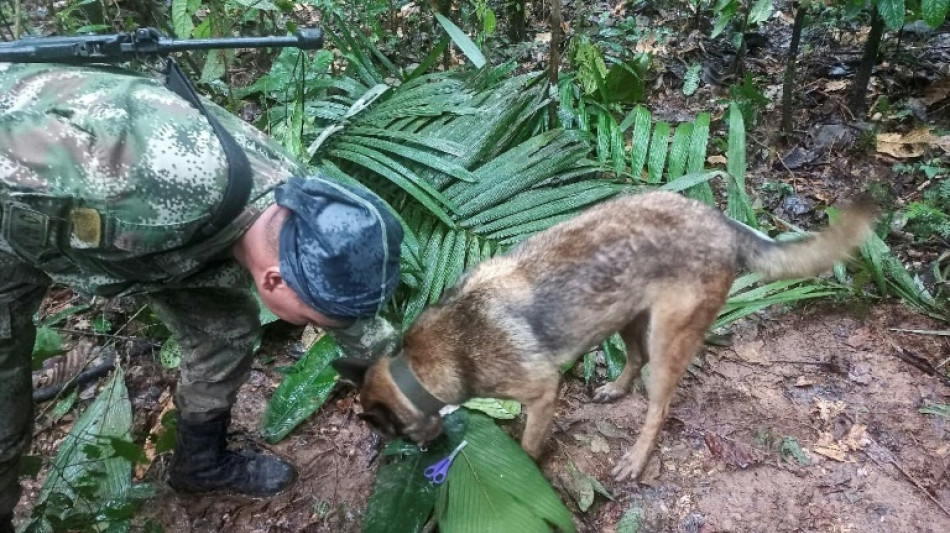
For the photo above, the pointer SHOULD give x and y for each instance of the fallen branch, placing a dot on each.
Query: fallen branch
(920, 363)
(911, 479)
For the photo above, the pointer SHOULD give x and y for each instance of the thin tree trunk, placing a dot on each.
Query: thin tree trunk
(696, 18)
(790, 62)
(555, 58)
(737, 67)
(863, 76)
(517, 31)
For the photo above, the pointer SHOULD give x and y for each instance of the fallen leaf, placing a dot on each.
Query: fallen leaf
(717, 160)
(836, 85)
(828, 410)
(912, 144)
(543, 37)
(802, 381)
(608, 429)
(936, 92)
(583, 488)
(732, 452)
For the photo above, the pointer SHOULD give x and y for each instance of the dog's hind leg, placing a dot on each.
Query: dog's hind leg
(677, 331)
(634, 336)
(540, 414)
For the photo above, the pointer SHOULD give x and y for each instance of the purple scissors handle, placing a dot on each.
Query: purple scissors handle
(438, 472)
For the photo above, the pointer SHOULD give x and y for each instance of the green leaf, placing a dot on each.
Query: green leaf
(760, 12)
(892, 11)
(641, 138)
(936, 409)
(402, 498)
(303, 390)
(624, 82)
(739, 206)
(500, 409)
(494, 485)
(691, 79)
(181, 19)
(468, 47)
(631, 520)
(789, 448)
(170, 354)
(615, 354)
(63, 406)
(679, 150)
(658, 150)
(214, 68)
(726, 10)
(48, 343)
(80, 460)
(934, 12)
(583, 488)
(263, 5)
(101, 326)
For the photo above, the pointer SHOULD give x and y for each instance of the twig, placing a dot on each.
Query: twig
(920, 364)
(943, 333)
(911, 479)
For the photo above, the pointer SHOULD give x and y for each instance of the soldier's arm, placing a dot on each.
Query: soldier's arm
(368, 338)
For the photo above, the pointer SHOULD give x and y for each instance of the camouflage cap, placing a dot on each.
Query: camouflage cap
(339, 248)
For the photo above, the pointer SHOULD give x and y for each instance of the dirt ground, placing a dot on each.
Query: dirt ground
(825, 375)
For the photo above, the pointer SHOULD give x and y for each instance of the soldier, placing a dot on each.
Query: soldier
(114, 185)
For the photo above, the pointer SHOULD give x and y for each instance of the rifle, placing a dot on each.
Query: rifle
(142, 42)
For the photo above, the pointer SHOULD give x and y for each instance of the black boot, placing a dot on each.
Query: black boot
(202, 463)
(6, 523)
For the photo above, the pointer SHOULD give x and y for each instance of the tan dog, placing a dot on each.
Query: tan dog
(655, 267)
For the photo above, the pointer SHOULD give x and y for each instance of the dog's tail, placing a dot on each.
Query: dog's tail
(810, 255)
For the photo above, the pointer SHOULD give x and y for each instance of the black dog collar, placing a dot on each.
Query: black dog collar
(408, 384)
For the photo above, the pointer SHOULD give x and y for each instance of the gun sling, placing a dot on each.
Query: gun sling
(238, 189)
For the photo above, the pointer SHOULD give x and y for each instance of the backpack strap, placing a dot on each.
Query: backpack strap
(239, 168)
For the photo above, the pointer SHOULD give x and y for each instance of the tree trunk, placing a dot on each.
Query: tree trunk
(555, 58)
(863, 76)
(737, 63)
(517, 31)
(787, 84)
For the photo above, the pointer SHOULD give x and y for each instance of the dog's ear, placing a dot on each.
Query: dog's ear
(352, 369)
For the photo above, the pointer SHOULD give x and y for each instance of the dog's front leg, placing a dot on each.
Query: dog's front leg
(540, 412)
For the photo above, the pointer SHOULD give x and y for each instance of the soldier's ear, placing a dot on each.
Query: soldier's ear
(352, 369)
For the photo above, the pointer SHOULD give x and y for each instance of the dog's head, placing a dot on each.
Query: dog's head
(385, 408)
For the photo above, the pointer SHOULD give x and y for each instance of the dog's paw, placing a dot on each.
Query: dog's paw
(609, 393)
(629, 468)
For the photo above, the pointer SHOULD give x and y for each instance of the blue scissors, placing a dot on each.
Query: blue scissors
(437, 472)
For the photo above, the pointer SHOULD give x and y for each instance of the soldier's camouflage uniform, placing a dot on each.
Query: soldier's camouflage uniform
(105, 176)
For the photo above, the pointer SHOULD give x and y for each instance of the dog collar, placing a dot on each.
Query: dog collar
(409, 385)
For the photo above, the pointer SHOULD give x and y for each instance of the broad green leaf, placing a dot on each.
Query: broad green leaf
(631, 520)
(85, 458)
(615, 355)
(402, 498)
(181, 19)
(170, 354)
(494, 485)
(936, 409)
(48, 343)
(691, 79)
(739, 206)
(583, 488)
(934, 12)
(892, 11)
(641, 139)
(679, 150)
(697, 158)
(303, 390)
(468, 47)
(726, 11)
(658, 151)
(214, 67)
(500, 409)
(760, 12)
(263, 5)
(63, 406)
